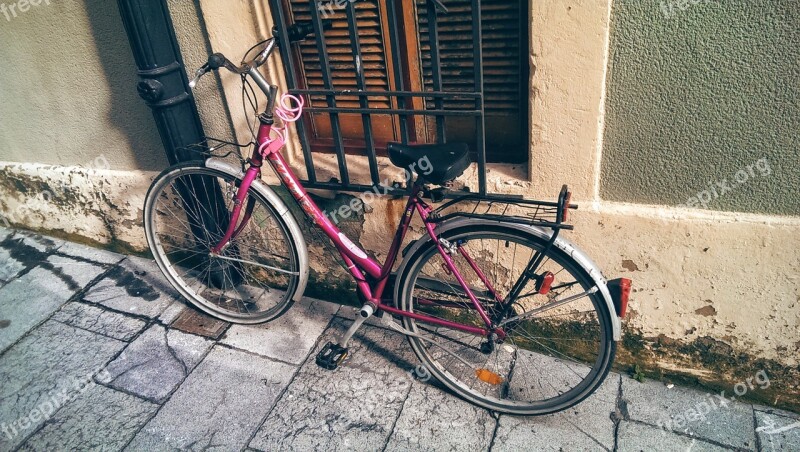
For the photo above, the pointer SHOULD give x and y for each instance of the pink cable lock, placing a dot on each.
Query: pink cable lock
(287, 113)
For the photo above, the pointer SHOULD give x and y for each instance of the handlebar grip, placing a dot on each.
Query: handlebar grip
(301, 30)
(216, 61)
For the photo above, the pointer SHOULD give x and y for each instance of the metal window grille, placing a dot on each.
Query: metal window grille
(404, 111)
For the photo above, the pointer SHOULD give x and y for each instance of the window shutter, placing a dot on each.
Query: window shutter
(340, 53)
(501, 52)
(504, 28)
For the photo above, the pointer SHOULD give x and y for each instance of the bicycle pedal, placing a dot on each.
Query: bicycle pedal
(331, 356)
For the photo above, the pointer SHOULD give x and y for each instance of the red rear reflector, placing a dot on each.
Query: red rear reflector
(566, 207)
(620, 289)
(545, 282)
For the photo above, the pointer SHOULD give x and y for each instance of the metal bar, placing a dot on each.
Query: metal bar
(436, 74)
(361, 83)
(291, 76)
(244, 261)
(442, 94)
(549, 306)
(327, 81)
(390, 111)
(389, 191)
(480, 127)
(394, 41)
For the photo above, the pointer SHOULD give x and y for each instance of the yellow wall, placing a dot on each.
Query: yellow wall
(68, 89)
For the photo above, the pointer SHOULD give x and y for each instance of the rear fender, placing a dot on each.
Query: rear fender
(565, 245)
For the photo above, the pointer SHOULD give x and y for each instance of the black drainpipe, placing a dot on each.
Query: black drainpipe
(163, 85)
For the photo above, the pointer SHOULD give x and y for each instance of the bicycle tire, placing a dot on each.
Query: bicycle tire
(244, 279)
(409, 281)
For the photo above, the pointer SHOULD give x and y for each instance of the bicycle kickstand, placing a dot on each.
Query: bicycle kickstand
(335, 352)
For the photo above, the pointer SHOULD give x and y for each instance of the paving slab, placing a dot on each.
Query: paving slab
(219, 406)
(288, 338)
(352, 407)
(688, 411)
(40, 242)
(43, 372)
(98, 419)
(778, 411)
(433, 419)
(90, 253)
(99, 321)
(156, 362)
(586, 426)
(634, 437)
(32, 298)
(9, 267)
(135, 286)
(75, 273)
(776, 432)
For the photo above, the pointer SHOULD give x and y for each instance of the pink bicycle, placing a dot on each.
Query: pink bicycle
(496, 305)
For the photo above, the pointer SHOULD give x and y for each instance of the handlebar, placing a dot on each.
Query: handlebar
(297, 32)
(218, 60)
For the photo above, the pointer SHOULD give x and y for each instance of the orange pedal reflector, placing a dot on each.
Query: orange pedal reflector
(488, 376)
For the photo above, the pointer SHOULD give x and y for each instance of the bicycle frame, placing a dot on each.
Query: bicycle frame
(359, 264)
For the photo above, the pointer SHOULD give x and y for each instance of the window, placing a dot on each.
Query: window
(505, 68)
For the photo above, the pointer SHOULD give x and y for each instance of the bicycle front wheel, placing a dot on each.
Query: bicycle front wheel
(554, 355)
(251, 280)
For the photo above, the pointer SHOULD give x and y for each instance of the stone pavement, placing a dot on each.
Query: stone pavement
(95, 354)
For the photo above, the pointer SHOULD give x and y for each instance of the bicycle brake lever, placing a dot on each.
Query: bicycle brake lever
(199, 73)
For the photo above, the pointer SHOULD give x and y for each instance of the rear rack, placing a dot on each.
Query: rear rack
(510, 209)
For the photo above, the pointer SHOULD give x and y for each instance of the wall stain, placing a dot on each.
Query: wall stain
(4, 323)
(710, 364)
(706, 311)
(629, 265)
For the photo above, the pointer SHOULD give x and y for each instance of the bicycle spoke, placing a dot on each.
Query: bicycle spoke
(252, 277)
(550, 351)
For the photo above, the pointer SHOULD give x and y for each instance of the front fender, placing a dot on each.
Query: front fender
(565, 245)
(277, 203)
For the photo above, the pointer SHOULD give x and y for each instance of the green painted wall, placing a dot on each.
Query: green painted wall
(698, 91)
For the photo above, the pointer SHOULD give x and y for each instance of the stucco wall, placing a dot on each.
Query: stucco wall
(697, 93)
(190, 29)
(68, 89)
(715, 294)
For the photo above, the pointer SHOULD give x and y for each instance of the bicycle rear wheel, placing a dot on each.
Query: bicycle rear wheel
(253, 279)
(548, 361)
